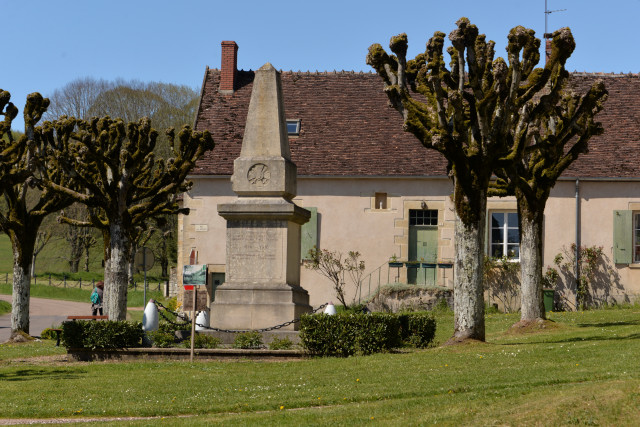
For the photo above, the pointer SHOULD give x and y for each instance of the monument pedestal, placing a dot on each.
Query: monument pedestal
(262, 286)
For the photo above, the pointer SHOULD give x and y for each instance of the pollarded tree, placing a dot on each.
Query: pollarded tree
(121, 182)
(475, 114)
(26, 202)
(560, 124)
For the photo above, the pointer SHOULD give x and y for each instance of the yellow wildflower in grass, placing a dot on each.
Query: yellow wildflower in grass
(281, 407)
(357, 380)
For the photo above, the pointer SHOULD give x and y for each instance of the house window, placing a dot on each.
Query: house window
(380, 201)
(636, 237)
(293, 127)
(505, 239)
(423, 217)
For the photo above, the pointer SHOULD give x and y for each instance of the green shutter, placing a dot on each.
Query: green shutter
(622, 237)
(309, 234)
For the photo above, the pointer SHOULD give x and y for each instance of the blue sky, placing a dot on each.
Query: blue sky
(47, 44)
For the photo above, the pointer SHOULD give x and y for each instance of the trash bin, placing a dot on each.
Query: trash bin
(548, 299)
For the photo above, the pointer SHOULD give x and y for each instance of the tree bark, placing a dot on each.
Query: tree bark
(131, 267)
(20, 298)
(22, 254)
(468, 292)
(116, 273)
(532, 303)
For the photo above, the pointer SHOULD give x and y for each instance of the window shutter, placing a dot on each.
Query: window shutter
(622, 237)
(309, 234)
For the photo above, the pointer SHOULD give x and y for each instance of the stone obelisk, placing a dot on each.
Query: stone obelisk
(262, 280)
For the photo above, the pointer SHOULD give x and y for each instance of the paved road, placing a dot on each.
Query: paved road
(43, 313)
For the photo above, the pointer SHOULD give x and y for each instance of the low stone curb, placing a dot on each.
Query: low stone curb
(85, 354)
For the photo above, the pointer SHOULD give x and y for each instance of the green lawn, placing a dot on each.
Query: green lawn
(5, 307)
(135, 298)
(52, 260)
(584, 371)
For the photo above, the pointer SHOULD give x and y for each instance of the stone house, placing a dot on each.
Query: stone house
(375, 189)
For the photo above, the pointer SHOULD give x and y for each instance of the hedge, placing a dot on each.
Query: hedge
(101, 334)
(346, 334)
(417, 329)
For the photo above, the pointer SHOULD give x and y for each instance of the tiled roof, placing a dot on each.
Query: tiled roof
(348, 128)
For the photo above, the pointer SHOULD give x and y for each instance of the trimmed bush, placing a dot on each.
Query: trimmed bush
(101, 334)
(280, 344)
(417, 329)
(345, 334)
(251, 339)
(172, 328)
(162, 339)
(48, 334)
(203, 341)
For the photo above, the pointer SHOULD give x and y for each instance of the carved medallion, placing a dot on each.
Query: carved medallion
(259, 174)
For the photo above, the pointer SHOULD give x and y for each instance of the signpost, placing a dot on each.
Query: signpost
(194, 276)
(144, 260)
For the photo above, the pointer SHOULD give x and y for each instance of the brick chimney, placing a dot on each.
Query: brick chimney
(547, 47)
(228, 67)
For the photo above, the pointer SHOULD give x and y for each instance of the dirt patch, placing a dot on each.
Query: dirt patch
(531, 326)
(19, 337)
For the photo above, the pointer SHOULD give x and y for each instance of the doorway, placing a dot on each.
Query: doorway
(423, 247)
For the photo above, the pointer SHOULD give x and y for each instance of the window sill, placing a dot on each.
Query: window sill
(635, 265)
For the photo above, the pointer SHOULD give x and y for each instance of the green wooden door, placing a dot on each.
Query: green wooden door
(423, 248)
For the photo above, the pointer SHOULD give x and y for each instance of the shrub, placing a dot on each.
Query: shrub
(162, 339)
(101, 334)
(49, 334)
(280, 344)
(417, 329)
(171, 328)
(442, 307)
(250, 339)
(345, 334)
(203, 341)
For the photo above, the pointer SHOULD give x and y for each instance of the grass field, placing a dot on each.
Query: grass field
(583, 371)
(51, 260)
(135, 298)
(5, 307)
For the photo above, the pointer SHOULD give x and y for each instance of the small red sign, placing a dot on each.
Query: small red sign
(188, 287)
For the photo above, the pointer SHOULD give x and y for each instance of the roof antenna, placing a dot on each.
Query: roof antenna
(547, 12)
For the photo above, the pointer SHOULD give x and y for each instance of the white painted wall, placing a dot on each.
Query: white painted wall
(348, 221)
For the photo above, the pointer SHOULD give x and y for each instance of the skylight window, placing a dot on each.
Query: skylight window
(293, 127)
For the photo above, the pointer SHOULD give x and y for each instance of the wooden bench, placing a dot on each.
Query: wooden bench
(88, 317)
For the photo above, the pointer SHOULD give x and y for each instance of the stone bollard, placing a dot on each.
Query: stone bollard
(330, 309)
(202, 319)
(150, 317)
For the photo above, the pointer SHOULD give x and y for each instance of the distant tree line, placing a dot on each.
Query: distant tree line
(117, 175)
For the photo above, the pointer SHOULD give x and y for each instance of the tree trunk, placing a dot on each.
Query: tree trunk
(116, 284)
(23, 246)
(164, 264)
(20, 298)
(86, 258)
(532, 303)
(164, 256)
(33, 265)
(468, 292)
(131, 266)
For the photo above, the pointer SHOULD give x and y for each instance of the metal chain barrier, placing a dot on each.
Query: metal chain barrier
(186, 320)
